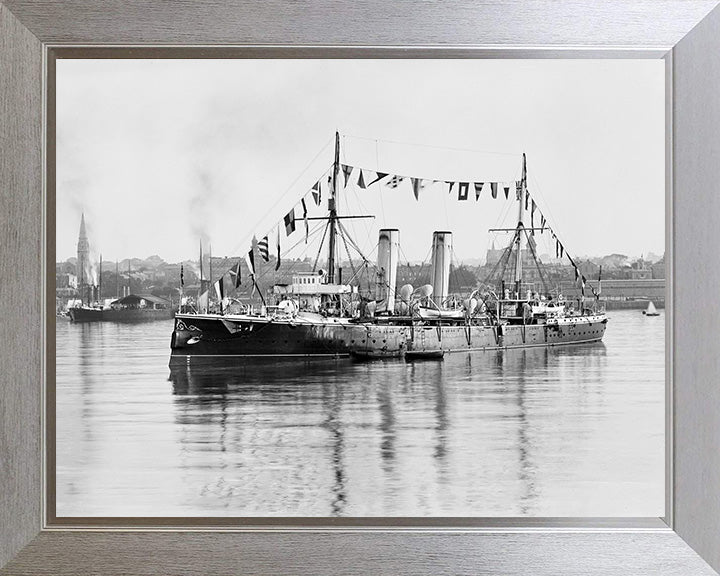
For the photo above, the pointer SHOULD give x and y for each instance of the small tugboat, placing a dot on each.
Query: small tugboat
(651, 310)
(315, 315)
(131, 308)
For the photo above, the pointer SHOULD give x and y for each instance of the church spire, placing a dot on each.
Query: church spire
(83, 233)
(83, 257)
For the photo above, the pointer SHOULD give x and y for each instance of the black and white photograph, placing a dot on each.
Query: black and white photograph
(316, 288)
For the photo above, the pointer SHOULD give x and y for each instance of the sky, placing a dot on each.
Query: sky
(160, 154)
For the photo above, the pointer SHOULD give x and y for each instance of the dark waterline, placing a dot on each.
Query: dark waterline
(570, 431)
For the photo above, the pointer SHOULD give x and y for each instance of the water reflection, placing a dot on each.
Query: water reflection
(416, 407)
(574, 430)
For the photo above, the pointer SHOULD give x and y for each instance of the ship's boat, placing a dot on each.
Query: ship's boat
(651, 310)
(424, 354)
(316, 314)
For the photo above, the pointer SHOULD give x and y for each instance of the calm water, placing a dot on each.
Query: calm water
(568, 431)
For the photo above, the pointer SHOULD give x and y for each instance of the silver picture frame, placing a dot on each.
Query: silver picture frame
(686, 34)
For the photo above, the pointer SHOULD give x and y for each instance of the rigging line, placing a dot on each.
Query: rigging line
(365, 222)
(347, 250)
(431, 179)
(377, 167)
(546, 204)
(423, 264)
(290, 187)
(322, 241)
(552, 217)
(453, 257)
(311, 233)
(435, 147)
(504, 256)
(537, 262)
(552, 231)
(503, 213)
(285, 253)
(363, 209)
(512, 268)
(354, 245)
(447, 215)
(348, 238)
(400, 250)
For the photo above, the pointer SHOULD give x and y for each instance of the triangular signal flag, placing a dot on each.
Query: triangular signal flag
(416, 186)
(346, 170)
(379, 176)
(478, 189)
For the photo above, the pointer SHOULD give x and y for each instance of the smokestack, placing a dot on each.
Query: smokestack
(387, 262)
(440, 275)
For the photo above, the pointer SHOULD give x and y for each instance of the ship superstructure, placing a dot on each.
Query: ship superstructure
(316, 314)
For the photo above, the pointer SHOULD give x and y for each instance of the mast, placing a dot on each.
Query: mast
(333, 212)
(100, 281)
(117, 280)
(201, 278)
(83, 254)
(210, 285)
(128, 277)
(520, 227)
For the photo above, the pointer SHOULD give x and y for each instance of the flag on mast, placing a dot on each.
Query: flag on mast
(235, 275)
(478, 189)
(277, 262)
(250, 261)
(416, 185)
(290, 222)
(346, 170)
(379, 176)
(202, 277)
(533, 207)
(305, 218)
(463, 188)
(263, 249)
(395, 181)
(220, 288)
(317, 192)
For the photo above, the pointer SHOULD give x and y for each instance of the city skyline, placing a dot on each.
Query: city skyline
(157, 162)
(649, 256)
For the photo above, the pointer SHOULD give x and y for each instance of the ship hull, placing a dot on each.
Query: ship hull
(85, 314)
(576, 330)
(211, 335)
